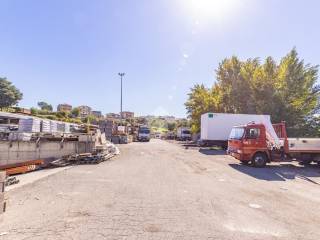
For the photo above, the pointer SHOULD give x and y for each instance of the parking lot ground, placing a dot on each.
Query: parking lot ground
(165, 190)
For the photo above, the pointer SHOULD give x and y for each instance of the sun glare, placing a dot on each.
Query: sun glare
(212, 9)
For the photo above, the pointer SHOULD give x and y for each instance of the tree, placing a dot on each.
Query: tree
(201, 100)
(62, 114)
(34, 111)
(287, 91)
(45, 106)
(90, 119)
(297, 91)
(75, 112)
(171, 126)
(9, 94)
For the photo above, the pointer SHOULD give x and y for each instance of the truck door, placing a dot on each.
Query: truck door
(252, 137)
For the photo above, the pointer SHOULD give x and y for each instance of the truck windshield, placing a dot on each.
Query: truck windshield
(145, 131)
(236, 133)
(185, 132)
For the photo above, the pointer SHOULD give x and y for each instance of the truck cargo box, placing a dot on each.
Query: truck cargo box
(216, 127)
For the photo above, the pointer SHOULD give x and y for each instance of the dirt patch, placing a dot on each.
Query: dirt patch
(152, 228)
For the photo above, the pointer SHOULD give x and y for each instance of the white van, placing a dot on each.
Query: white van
(183, 134)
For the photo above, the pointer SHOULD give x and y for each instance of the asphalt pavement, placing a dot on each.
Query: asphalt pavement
(165, 190)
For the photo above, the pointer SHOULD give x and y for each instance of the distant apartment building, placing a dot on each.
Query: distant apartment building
(97, 114)
(20, 110)
(64, 108)
(168, 118)
(112, 115)
(127, 114)
(84, 111)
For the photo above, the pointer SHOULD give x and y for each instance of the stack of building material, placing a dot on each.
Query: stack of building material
(107, 127)
(45, 126)
(61, 127)
(20, 136)
(2, 184)
(4, 128)
(122, 129)
(115, 139)
(29, 125)
(67, 128)
(53, 126)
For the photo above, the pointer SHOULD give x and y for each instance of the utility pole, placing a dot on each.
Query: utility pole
(121, 76)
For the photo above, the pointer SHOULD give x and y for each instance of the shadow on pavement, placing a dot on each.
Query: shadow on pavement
(280, 172)
(208, 151)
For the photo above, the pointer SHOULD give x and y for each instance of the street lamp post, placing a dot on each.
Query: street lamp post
(121, 76)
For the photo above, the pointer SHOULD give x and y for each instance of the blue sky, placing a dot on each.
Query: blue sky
(71, 50)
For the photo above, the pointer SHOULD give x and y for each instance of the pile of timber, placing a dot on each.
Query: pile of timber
(2, 185)
(83, 158)
(11, 181)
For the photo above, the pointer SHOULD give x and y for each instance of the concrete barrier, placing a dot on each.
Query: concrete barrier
(14, 153)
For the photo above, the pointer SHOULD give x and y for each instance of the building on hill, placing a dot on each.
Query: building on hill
(64, 107)
(167, 118)
(97, 114)
(84, 111)
(113, 116)
(127, 114)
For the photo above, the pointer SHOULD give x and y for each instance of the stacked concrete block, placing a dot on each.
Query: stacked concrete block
(29, 125)
(45, 126)
(61, 127)
(53, 126)
(2, 183)
(67, 128)
(107, 127)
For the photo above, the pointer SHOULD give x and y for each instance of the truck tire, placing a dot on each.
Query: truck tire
(259, 160)
(306, 159)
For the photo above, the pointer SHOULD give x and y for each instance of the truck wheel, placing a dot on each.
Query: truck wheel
(306, 159)
(259, 160)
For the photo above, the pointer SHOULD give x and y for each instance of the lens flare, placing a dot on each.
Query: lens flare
(212, 9)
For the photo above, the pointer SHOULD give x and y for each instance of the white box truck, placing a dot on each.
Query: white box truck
(144, 134)
(216, 127)
(183, 134)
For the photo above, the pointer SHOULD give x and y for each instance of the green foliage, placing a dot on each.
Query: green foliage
(45, 106)
(51, 117)
(201, 100)
(90, 119)
(158, 123)
(183, 123)
(287, 91)
(75, 112)
(61, 114)
(34, 111)
(9, 94)
(171, 126)
(162, 125)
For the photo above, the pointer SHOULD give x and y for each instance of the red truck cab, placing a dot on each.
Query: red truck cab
(251, 144)
(248, 143)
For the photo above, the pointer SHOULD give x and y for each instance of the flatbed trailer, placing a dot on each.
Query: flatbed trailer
(251, 144)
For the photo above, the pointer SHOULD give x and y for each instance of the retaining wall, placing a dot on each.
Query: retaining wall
(15, 153)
